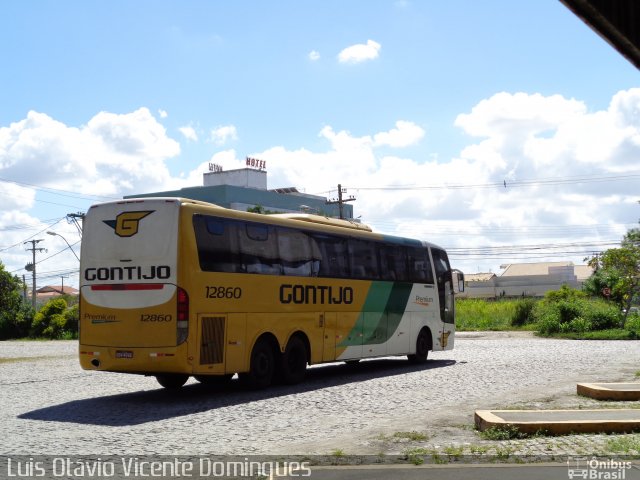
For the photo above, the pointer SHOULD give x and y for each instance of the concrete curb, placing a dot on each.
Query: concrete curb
(561, 422)
(610, 391)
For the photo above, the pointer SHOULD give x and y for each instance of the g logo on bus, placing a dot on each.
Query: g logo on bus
(126, 223)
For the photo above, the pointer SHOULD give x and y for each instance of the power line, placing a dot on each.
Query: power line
(4, 249)
(58, 253)
(26, 226)
(510, 183)
(58, 191)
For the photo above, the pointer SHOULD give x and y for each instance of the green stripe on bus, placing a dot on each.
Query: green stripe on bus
(397, 305)
(381, 314)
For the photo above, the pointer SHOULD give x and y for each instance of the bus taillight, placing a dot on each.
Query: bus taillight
(182, 316)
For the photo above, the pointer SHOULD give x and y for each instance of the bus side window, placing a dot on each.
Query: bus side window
(419, 265)
(334, 261)
(259, 249)
(217, 241)
(393, 263)
(296, 252)
(363, 259)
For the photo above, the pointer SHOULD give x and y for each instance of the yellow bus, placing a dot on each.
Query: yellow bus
(174, 288)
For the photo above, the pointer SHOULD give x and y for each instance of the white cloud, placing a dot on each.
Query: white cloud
(221, 135)
(189, 133)
(113, 154)
(314, 55)
(360, 52)
(405, 134)
(163, 113)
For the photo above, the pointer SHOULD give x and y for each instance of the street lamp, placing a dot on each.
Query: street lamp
(65, 240)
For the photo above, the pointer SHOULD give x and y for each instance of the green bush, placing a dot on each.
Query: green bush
(564, 293)
(55, 321)
(17, 322)
(603, 314)
(633, 325)
(548, 321)
(523, 314)
(72, 317)
(570, 311)
(579, 325)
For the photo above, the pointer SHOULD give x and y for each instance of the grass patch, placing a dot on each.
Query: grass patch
(478, 449)
(475, 314)
(454, 451)
(610, 334)
(416, 455)
(338, 452)
(15, 359)
(508, 432)
(412, 436)
(565, 313)
(626, 444)
(503, 453)
(31, 359)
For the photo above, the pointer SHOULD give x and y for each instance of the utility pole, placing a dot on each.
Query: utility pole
(33, 250)
(73, 218)
(341, 201)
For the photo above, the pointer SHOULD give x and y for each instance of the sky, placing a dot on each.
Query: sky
(504, 131)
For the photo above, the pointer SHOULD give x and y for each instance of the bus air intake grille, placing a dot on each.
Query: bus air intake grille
(212, 344)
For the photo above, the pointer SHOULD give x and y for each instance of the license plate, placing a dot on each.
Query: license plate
(124, 354)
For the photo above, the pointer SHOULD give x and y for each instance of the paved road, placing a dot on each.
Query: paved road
(50, 406)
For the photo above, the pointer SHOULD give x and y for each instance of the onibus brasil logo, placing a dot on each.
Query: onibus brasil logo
(126, 224)
(595, 468)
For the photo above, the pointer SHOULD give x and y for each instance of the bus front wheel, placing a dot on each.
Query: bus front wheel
(172, 381)
(423, 345)
(294, 361)
(262, 366)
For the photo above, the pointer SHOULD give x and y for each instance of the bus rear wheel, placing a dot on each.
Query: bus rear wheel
(293, 367)
(262, 366)
(423, 345)
(172, 381)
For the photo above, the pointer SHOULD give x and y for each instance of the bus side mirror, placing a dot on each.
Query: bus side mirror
(458, 281)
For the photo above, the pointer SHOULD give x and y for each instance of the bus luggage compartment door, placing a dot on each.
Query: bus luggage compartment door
(211, 342)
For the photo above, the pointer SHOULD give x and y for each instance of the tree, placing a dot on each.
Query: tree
(260, 209)
(619, 270)
(15, 313)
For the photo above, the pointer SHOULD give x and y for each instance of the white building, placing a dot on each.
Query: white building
(525, 279)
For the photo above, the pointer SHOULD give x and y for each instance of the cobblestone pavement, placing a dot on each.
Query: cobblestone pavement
(50, 406)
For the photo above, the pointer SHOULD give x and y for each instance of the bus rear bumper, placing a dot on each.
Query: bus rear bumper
(148, 360)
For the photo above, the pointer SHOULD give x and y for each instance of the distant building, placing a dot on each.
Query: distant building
(526, 279)
(245, 188)
(479, 285)
(48, 292)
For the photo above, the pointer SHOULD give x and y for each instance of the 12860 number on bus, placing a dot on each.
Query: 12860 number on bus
(224, 292)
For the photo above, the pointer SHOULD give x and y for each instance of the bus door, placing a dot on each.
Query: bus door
(444, 281)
